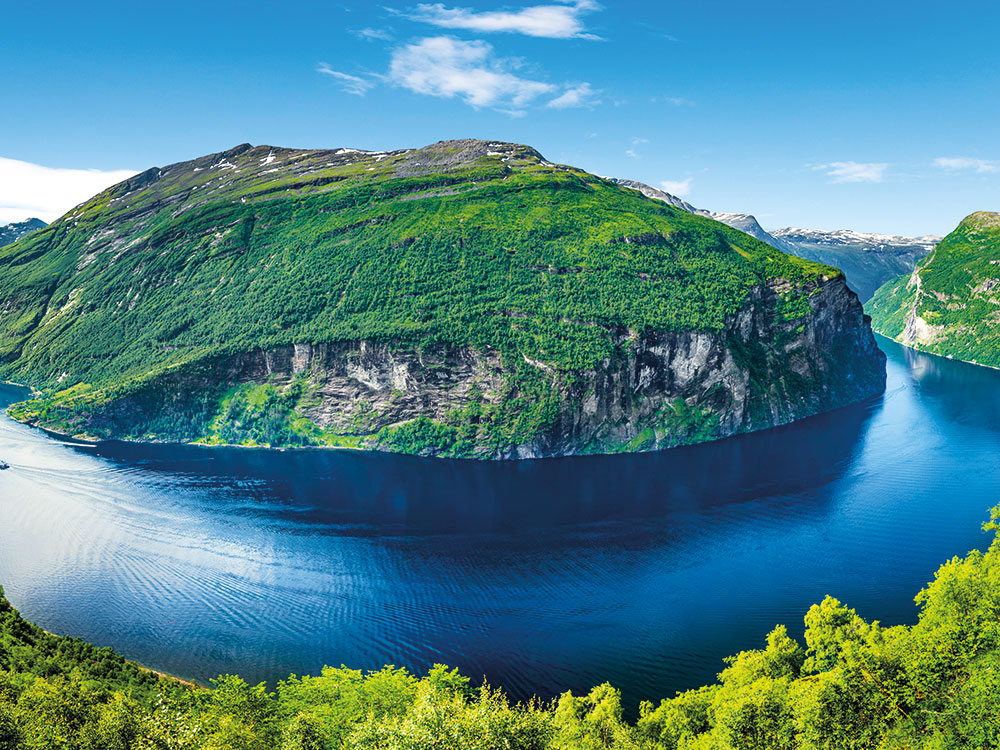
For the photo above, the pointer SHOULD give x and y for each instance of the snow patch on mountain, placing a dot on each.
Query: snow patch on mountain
(11, 233)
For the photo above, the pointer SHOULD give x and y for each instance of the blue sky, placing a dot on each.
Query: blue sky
(875, 116)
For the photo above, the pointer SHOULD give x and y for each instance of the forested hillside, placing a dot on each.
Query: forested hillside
(950, 304)
(468, 298)
(852, 684)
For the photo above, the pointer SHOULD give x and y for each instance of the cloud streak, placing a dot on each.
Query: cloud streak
(578, 96)
(30, 190)
(351, 84)
(853, 171)
(981, 166)
(372, 35)
(548, 21)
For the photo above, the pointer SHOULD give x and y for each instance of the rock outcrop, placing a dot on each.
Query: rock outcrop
(668, 388)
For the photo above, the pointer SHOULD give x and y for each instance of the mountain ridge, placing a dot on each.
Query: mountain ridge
(868, 259)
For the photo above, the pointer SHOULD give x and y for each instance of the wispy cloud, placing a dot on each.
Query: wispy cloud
(351, 84)
(680, 189)
(30, 190)
(853, 171)
(631, 153)
(576, 96)
(550, 21)
(447, 67)
(373, 35)
(965, 163)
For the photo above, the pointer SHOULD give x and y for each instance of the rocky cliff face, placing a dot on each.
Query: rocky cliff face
(666, 389)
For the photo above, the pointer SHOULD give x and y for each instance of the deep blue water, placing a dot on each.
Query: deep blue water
(643, 570)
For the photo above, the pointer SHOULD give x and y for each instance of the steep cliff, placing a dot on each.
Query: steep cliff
(468, 299)
(950, 303)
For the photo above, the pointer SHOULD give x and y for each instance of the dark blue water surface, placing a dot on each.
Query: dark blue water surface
(542, 576)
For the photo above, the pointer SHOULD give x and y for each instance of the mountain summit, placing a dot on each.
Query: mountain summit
(468, 298)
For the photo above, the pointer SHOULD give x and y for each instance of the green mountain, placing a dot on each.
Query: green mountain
(950, 303)
(854, 684)
(469, 298)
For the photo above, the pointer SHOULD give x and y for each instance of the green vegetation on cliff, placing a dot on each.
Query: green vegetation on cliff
(124, 312)
(854, 684)
(950, 304)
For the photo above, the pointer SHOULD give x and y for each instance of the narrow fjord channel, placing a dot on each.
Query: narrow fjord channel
(641, 570)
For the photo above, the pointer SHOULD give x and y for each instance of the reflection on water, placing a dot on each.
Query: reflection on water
(642, 570)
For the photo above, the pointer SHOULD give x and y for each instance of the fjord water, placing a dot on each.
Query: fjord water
(641, 570)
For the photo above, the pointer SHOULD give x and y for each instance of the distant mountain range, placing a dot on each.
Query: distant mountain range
(11, 233)
(867, 260)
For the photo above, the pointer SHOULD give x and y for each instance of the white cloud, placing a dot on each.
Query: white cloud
(676, 101)
(636, 140)
(577, 96)
(852, 171)
(351, 84)
(447, 67)
(680, 189)
(372, 35)
(956, 163)
(630, 152)
(549, 21)
(30, 190)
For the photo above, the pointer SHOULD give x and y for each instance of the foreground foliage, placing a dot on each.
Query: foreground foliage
(853, 684)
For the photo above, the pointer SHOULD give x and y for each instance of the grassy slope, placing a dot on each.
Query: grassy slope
(453, 244)
(959, 295)
(856, 684)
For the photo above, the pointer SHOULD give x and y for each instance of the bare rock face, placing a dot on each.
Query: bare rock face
(665, 389)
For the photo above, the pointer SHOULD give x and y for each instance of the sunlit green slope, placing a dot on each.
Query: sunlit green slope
(950, 304)
(139, 313)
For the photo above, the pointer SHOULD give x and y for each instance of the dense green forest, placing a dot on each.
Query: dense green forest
(852, 684)
(950, 305)
(124, 312)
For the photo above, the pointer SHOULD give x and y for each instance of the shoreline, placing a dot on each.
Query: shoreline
(193, 684)
(935, 354)
(89, 442)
